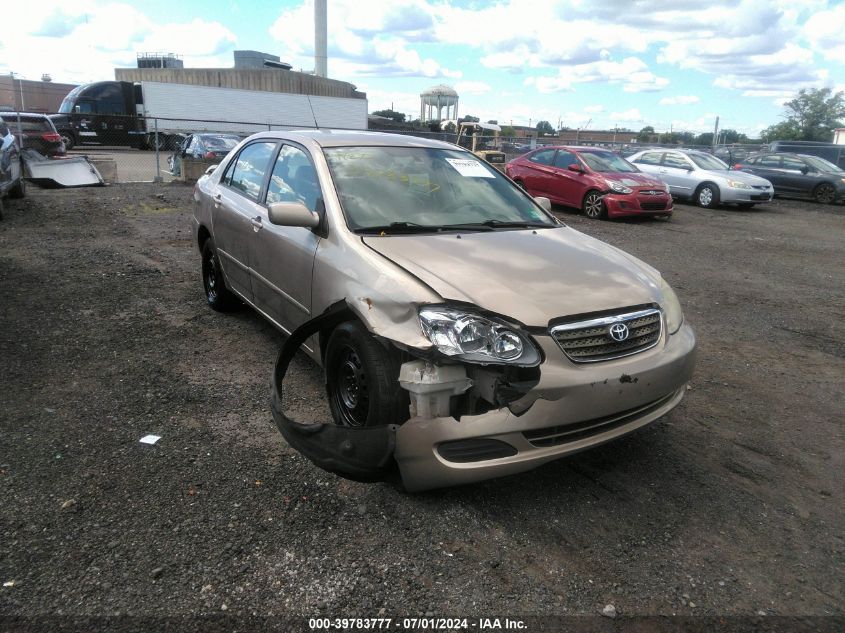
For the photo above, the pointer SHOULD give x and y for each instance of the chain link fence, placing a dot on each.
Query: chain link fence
(138, 149)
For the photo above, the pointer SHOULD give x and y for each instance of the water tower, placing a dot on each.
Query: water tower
(435, 99)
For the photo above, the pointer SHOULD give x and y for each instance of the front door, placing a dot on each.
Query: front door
(676, 171)
(282, 257)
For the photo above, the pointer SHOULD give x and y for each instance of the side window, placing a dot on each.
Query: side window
(793, 164)
(246, 174)
(565, 159)
(649, 158)
(294, 179)
(673, 160)
(544, 157)
(770, 161)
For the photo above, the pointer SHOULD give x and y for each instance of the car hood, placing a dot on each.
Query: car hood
(530, 276)
(749, 179)
(633, 179)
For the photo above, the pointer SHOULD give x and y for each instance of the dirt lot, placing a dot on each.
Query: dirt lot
(732, 505)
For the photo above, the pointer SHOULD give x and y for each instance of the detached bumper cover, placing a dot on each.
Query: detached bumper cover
(578, 407)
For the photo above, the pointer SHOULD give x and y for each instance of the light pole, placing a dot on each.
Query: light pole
(20, 89)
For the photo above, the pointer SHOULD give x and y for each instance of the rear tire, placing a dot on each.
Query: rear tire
(707, 196)
(67, 139)
(362, 379)
(593, 206)
(824, 193)
(218, 296)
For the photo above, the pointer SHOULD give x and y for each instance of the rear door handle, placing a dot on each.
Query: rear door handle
(257, 225)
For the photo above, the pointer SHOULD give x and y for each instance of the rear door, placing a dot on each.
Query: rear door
(538, 174)
(282, 257)
(236, 211)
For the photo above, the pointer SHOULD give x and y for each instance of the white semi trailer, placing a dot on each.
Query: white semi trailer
(123, 113)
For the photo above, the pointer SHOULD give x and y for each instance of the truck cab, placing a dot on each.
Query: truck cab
(103, 112)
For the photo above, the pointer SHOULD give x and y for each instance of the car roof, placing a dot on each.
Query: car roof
(347, 138)
(14, 115)
(791, 154)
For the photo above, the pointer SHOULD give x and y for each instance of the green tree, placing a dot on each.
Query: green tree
(646, 135)
(391, 114)
(545, 128)
(810, 116)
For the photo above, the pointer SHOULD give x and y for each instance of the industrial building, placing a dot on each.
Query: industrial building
(26, 95)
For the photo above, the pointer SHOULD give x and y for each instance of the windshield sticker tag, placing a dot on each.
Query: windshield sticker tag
(469, 168)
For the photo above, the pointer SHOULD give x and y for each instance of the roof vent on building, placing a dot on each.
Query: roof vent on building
(46, 77)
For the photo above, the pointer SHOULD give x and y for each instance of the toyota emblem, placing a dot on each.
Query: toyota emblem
(618, 332)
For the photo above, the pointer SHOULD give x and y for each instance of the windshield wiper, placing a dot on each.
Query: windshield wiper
(500, 224)
(400, 227)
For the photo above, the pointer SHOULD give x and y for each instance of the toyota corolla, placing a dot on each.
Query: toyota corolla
(464, 332)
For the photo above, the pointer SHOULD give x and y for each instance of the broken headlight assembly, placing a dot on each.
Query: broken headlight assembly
(473, 338)
(671, 307)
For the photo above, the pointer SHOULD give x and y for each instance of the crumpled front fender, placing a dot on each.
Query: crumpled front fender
(363, 454)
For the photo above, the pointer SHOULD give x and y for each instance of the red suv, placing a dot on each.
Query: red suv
(593, 179)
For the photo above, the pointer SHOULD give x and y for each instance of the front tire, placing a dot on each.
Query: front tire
(593, 206)
(824, 193)
(707, 196)
(362, 379)
(19, 190)
(218, 296)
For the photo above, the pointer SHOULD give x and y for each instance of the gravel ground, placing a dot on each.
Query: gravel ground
(732, 505)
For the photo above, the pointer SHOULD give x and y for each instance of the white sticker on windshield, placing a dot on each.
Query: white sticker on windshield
(469, 168)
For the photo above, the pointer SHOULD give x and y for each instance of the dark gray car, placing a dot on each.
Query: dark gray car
(798, 175)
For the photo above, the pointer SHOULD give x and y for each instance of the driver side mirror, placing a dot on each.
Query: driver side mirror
(544, 202)
(292, 214)
(805, 170)
(576, 168)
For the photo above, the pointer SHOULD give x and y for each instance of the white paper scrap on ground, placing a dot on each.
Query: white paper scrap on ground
(150, 439)
(470, 168)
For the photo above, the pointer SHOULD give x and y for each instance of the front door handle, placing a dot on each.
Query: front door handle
(257, 224)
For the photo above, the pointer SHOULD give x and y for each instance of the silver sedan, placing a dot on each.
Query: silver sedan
(703, 178)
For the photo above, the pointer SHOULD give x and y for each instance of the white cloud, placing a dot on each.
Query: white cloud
(825, 31)
(81, 42)
(632, 115)
(472, 87)
(365, 39)
(679, 100)
(631, 72)
(593, 109)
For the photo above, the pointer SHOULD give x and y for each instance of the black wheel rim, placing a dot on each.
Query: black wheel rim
(592, 205)
(824, 194)
(349, 388)
(210, 277)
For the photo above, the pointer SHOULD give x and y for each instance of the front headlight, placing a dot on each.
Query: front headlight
(738, 184)
(476, 339)
(618, 187)
(672, 307)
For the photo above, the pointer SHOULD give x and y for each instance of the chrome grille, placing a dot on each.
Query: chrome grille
(591, 341)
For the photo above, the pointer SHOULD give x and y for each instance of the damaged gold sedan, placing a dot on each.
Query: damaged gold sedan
(465, 333)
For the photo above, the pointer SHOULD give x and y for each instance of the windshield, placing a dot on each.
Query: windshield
(606, 162)
(822, 165)
(705, 161)
(425, 188)
(221, 142)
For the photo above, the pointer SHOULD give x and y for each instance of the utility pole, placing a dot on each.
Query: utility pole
(716, 133)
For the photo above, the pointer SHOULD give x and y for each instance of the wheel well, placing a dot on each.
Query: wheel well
(707, 182)
(202, 236)
(584, 199)
(325, 333)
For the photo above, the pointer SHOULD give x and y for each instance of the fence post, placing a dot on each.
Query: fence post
(157, 177)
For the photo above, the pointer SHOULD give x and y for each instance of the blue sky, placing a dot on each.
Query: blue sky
(598, 63)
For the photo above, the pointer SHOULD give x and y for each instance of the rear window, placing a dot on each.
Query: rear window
(28, 123)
